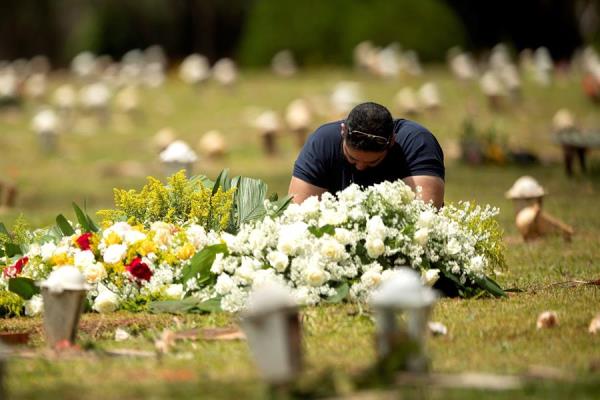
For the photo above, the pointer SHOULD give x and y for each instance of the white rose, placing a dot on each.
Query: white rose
(115, 253)
(34, 250)
(421, 236)
(477, 263)
(375, 247)
(315, 276)
(224, 284)
(278, 260)
(310, 205)
(332, 249)
(34, 306)
(175, 291)
(453, 247)
(196, 235)
(430, 277)
(425, 219)
(376, 228)
(344, 236)
(83, 258)
(133, 236)
(106, 302)
(47, 250)
(120, 228)
(94, 272)
(245, 272)
(333, 217)
(371, 278)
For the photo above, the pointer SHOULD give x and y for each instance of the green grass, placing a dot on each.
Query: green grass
(485, 335)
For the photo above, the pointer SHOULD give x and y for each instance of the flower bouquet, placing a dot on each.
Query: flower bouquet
(198, 245)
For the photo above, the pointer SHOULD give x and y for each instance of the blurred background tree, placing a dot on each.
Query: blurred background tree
(319, 32)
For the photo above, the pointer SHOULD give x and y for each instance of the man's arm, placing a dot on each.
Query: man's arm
(432, 188)
(301, 190)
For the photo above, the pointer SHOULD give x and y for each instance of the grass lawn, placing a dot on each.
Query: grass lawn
(485, 335)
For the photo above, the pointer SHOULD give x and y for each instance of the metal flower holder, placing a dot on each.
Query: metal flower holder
(274, 335)
(402, 307)
(3, 361)
(61, 314)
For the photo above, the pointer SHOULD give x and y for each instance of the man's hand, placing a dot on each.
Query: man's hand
(301, 190)
(432, 188)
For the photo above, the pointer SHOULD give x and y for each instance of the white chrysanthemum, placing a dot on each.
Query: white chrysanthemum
(114, 253)
(278, 260)
(83, 258)
(94, 272)
(34, 306)
(375, 247)
(430, 277)
(421, 236)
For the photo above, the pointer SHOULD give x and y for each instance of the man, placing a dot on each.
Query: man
(369, 147)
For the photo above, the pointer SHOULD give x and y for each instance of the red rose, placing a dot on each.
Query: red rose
(15, 270)
(83, 241)
(139, 270)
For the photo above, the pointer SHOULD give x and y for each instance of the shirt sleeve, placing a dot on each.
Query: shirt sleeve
(424, 155)
(310, 164)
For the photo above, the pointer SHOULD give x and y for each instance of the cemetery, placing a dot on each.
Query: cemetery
(149, 248)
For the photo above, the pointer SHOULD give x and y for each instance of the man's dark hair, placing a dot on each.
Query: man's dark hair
(372, 119)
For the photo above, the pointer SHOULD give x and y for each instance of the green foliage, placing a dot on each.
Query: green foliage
(321, 32)
(10, 304)
(487, 228)
(199, 266)
(180, 201)
(187, 305)
(249, 198)
(23, 287)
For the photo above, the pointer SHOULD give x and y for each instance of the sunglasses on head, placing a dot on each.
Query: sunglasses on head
(380, 140)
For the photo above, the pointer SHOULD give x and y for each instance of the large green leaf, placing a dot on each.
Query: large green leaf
(12, 249)
(64, 225)
(249, 199)
(84, 220)
(319, 232)
(4, 230)
(201, 262)
(222, 182)
(341, 293)
(24, 287)
(187, 305)
(491, 287)
(204, 181)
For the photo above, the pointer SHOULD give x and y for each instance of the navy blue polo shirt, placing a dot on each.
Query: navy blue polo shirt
(322, 163)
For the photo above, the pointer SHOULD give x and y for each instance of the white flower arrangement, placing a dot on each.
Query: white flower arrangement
(339, 247)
